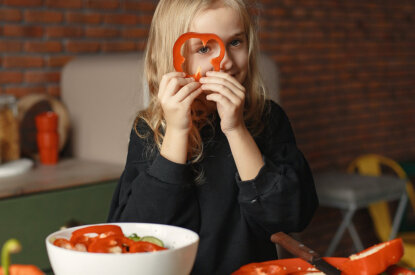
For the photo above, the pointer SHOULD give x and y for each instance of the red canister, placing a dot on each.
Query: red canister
(47, 137)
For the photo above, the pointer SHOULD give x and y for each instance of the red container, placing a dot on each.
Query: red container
(47, 122)
(47, 137)
(47, 140)
(48, 156)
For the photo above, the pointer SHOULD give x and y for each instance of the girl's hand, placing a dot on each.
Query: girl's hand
(176, 94)
(229, 96)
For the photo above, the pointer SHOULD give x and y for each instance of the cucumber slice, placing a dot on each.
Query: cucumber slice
(134, 237)
(153, 240)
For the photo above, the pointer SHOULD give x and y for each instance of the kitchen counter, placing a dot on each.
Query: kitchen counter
(42, 200)
(66, 173)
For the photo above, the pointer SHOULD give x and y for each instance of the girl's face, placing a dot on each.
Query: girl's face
(225, 23)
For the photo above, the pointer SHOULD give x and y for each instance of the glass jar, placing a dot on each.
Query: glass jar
(9, 129)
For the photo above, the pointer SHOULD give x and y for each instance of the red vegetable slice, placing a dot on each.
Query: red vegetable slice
(141, 246)
(178, 59)
(398, 270)
(374, 259)
(81, 235)
(64, 243)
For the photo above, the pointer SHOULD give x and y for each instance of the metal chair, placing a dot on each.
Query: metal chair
(372, 164)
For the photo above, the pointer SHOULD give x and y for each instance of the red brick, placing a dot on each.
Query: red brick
(64, 4)
(145, 19)
(10, 15)
(22, 31)
(134, 33)
(20, 91)
(43, 47)
(63, 31)
(101, 32)
(139, 6)
(23, 3)
(43, 16)
(54, 90)
(41, 77)
(119, 46)
(7, 77)
(141, 45)
(103, 4)
(22, 62)
(82, 46)
(10, 46)
(88, 18)
(124, 19)
(59, 61)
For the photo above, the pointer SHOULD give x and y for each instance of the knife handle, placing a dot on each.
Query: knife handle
(294, 247)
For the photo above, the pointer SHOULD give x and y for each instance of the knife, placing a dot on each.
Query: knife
(300, 250)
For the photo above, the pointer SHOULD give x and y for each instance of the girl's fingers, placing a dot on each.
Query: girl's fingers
(175, 84)
(224, 91)
(166, 79)
(227, 77)
(186, 90)
(189, 99)
(220, 99)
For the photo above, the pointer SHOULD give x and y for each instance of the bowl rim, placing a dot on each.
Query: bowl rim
(169, 250)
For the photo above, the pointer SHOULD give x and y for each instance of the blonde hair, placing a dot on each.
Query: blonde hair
(171, 19)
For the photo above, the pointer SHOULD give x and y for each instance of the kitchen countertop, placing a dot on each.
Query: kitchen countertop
(66, 173)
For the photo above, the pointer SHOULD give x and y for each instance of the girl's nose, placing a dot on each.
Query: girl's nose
(226, 63)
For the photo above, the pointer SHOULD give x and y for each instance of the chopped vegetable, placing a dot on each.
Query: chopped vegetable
(13, 246)
(371, 261)
(108, 239)
(374, 259)
(398, 270)
(178, 58)
(134, 237)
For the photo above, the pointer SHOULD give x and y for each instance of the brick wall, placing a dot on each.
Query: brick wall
(347, 76)
(38, 37)
(347, 70)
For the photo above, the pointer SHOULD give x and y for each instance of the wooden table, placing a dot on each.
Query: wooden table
(350, 192)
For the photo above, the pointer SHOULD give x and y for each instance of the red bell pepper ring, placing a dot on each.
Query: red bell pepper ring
(80, 235)
(142, 246)
(178, 59)
(110, 244)
(375, 259)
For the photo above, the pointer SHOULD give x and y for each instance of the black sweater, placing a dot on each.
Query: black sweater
(233, 218)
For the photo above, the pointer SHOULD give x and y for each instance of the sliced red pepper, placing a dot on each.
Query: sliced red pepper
(399, 270)
(141, 246)
(178, 58)
(79, 236)
(110, 244)
(374, 259)
(289, 266)
(64, 243)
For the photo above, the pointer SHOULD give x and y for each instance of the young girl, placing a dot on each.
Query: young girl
(213, 156)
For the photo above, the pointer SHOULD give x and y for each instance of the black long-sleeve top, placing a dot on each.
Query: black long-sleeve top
(233, 218)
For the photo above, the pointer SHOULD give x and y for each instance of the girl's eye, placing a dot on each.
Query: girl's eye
(203, 50)
(235, 42)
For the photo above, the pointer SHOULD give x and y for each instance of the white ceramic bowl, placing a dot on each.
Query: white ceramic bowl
(178, 259)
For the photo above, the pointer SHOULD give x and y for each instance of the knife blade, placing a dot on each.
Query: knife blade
(300, 250)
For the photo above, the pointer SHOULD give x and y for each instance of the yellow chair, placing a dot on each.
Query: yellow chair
(371, 165)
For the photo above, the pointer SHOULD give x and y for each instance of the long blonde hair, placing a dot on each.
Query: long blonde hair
(171, 19)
